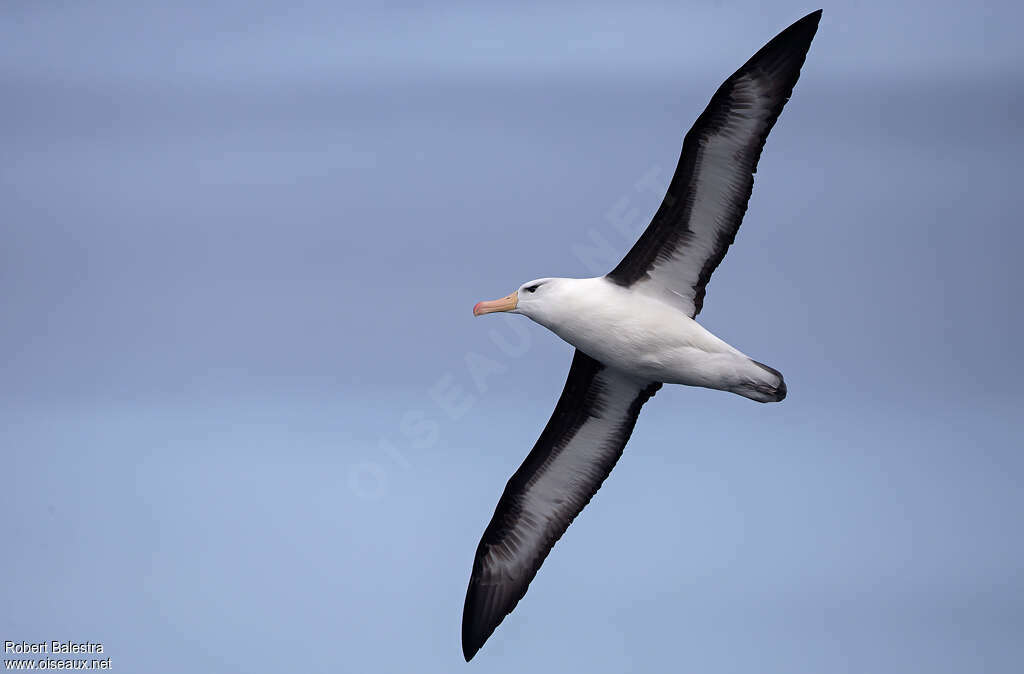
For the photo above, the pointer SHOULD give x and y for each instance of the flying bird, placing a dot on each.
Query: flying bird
(634, 330)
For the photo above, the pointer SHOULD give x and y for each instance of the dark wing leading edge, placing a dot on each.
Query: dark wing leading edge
(708, 195)
(576, 451)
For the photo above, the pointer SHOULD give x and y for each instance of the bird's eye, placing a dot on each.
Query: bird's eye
(532, 288)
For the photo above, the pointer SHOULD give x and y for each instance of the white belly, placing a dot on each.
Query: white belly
(650, 339)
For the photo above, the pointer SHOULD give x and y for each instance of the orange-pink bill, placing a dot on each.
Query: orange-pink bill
(507, 303)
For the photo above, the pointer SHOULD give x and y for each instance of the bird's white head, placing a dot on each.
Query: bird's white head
(541, 300)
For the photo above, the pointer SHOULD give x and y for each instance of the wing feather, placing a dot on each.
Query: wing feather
(576, 451)
(707, 197)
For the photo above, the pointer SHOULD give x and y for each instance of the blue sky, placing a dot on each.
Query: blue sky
(248, 422)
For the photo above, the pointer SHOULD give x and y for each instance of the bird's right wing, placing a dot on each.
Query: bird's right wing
(575, 453)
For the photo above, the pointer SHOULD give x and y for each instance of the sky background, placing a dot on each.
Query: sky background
(248, 422)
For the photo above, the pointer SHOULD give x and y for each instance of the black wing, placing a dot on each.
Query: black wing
(576, 451)
(706, 200)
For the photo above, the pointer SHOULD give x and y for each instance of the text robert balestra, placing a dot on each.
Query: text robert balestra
(53, 647)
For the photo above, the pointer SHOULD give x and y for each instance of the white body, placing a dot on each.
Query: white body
(646, 337)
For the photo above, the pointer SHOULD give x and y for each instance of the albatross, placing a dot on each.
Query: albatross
(633, 330)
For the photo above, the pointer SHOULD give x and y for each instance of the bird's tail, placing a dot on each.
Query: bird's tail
(767, 385)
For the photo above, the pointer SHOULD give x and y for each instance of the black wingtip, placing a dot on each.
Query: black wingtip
(807, 25)
(473, 637)
(801, 30)
(813, 17)
(472, 640)
(469, 647)
(782, 57)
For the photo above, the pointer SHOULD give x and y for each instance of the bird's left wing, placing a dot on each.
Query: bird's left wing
(708, 195)
(576, 451)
